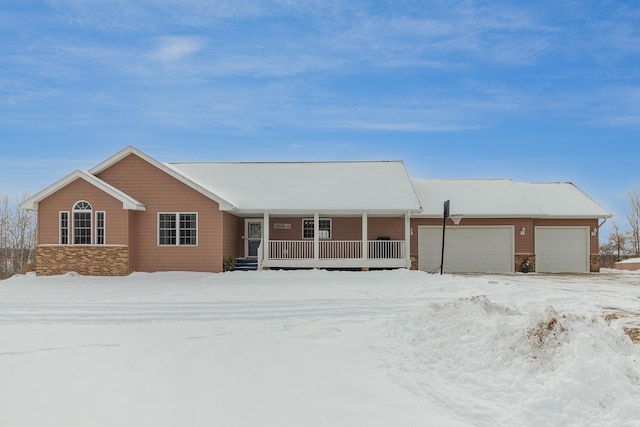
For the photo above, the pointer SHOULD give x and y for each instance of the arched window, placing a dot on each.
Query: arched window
(82, 213)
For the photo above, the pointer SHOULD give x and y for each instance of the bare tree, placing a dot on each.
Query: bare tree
(633, 217)
(615, 248)
(17, 238)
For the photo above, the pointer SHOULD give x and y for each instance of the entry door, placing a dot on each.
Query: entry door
(253, 237)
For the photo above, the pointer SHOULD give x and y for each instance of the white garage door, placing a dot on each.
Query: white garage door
(467, 249)
(562, 249)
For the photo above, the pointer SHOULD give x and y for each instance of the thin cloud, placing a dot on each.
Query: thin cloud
(176, 48)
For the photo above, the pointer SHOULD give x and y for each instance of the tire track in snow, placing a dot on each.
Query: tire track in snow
(138, 312)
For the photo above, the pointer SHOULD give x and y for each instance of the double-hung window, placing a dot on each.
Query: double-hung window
(177, 229)
(324, 228)
(64, 228)
(100, 228)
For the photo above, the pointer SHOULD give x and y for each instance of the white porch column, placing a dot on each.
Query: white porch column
(407, 238)
(265, 236)
(365, 237)
(316, 235)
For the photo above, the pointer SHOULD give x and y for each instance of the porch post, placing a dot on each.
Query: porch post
(316, 235)
(265, 236)
(365, 237)
(407, 239)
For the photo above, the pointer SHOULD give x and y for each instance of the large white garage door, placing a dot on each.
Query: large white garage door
(562, 249)
(467, 249)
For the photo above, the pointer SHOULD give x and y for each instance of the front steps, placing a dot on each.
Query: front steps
(245, 264)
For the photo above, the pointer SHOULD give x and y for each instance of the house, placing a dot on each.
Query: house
(134, 213)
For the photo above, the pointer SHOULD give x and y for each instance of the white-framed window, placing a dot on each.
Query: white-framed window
(82, 213)
(64, 227)
(101, 227)
(177, 229)
(324, 228)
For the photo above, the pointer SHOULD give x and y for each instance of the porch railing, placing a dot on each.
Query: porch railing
(336, 249)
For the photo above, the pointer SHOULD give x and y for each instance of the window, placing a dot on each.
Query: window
(324, 228)
(64, 228)
(177, 229)
(100, 228)
(82, 223)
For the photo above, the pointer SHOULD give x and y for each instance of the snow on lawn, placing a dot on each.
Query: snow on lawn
(318, 348)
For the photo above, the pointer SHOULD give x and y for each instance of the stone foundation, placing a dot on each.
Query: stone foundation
(85, 260)
(520, 259)
(595, 263)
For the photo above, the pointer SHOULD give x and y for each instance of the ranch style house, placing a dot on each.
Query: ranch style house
(132, 213)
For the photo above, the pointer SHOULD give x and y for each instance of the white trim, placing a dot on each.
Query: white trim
(587, 248)
(246, 234)
(73, 222)
(316, 228)
(60, 228)
(104, 227)
(166, 168)
(128, 202)
(177, 244)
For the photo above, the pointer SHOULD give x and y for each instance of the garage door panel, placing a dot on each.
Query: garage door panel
(562, 249)
(467, 249)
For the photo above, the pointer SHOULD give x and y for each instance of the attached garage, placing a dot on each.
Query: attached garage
(562, 249)
(471, 249)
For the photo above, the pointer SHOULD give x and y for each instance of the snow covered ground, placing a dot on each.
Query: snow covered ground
(318, 348)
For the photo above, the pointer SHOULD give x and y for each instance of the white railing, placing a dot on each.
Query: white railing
(386, 249)
(340, 249)
(291, 249)
(336, 249)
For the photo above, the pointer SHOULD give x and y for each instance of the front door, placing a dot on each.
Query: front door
(253, 237)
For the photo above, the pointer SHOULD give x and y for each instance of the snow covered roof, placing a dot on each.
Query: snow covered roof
(382, 186)
(128, 202)
(506, 198)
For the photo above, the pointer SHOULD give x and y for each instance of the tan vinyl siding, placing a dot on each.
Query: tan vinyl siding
(386, 227)
(232, 236)
(161, 192)
(116, 217)
(342, 228)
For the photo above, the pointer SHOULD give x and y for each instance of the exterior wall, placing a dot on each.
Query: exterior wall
(116, 218)
(232, 245)
(162, 193)
(89, 260)
(631, 266)
(342, 228)
(524, 244)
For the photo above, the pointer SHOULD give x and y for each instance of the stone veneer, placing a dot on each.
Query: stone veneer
(595, 263)
(95, 260)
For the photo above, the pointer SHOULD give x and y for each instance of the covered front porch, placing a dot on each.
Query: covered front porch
(332, 241)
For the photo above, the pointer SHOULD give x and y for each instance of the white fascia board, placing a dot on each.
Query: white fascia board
(328, 212)
(128, 202)
(224, 205)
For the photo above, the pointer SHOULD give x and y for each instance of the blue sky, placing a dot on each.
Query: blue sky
(534, 91)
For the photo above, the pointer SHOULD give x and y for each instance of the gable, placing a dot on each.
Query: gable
(126, 154)
(127, 201)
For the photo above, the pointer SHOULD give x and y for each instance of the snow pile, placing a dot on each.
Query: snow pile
(503, 367)
(318, 348)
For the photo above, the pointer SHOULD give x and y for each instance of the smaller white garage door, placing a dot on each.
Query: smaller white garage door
(467, 249)
(562, 249)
